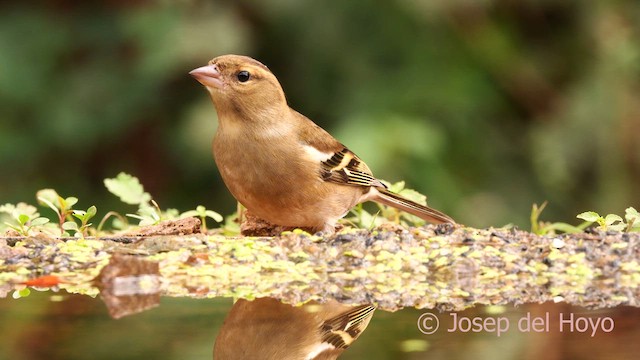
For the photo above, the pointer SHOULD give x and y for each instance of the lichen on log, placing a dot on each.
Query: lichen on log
(445, 267)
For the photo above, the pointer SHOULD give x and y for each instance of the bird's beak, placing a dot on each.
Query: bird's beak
(208, 76)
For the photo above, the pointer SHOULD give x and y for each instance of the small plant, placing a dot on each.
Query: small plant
(63, 207)
(22, 217)
(363, 219)
(202, 213)
(395, 215)
(120, 222)
(148, 214)
(231, 226)
(25, 219)
(633, 219)
(129, 189)
(612, 221)
(544, 228)
(608, 222)
(84, 217)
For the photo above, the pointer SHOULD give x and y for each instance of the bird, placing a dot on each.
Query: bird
(265, 328)
(280, 165)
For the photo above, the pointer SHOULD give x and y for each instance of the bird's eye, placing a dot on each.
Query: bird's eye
(243, 76)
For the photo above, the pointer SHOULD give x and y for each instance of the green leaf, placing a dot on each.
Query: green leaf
(70, 225)
(128, 189)
(366, 219)
(396, 187)
(16, 228)
(231, 226)
(135, 216)
(48, 197)
(171, 214)
(202, 212)
(149, 212)
(589, 216)
(7, 208)
(632, 216)
(84, 216)
(190, 213)
(24, 292)
(147, 222)
(91, 212)
(119, 224)
(412, 219)
(21, 293)
(23, 219)
(617, 227)
(563, 227)
(612, 219)
(39, 221)
(534, 218)
(414, 196)
(69, 202)
(214, 215)
(25, 208)
(46, 201)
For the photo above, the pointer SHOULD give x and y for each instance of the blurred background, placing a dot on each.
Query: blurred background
(485, 106)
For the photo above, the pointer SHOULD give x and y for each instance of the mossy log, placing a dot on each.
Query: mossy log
(444, 267)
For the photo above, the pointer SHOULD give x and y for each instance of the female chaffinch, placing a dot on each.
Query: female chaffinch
(279, 164)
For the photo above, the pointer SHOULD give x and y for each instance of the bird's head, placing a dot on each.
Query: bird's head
(240, 84)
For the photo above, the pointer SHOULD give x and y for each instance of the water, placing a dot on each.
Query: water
(48, 325)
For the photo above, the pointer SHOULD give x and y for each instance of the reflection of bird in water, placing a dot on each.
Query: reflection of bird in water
(268, 329)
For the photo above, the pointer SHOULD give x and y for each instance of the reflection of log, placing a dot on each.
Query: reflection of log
(129, 285)
(443, 267)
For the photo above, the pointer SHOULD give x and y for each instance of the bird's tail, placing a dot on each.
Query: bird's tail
(424, 212)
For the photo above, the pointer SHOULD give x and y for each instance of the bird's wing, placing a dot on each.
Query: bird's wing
(338, 164)
(346, 168)
(343, 329)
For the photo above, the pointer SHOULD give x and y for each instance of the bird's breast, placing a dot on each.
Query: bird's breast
(275, 182)
(260, 165)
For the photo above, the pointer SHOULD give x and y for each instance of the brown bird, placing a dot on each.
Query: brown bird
(267, 329)
(279, 164)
